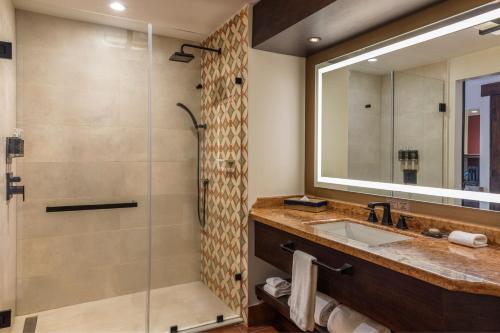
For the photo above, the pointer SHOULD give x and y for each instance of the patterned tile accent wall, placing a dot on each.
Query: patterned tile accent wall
(225, 162)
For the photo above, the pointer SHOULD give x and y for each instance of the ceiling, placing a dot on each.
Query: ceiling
(186, 19)
(339, 21)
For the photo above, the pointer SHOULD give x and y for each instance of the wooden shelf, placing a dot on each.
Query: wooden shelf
(280, 305)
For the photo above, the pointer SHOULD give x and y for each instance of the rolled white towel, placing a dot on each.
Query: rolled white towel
(344, 319)
(365, 328)
(276, 292)
(324, 307)
(278, 283)
(468, 239)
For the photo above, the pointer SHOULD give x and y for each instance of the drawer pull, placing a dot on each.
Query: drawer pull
(344, 269)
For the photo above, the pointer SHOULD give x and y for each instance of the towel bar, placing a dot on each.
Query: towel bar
(90, 207)
(346, 268)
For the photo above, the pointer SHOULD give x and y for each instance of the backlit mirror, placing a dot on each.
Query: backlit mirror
(417, 117)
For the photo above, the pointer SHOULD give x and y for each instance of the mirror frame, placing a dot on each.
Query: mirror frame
(456, 23)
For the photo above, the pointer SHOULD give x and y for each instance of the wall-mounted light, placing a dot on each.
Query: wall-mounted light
(471, 19)
(314, 39)
(413, 40)
(372, 60)
(117, 6)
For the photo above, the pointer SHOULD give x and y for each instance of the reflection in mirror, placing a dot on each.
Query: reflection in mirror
(418, 128)
(480, 153)
(425, 115)
(357, 126)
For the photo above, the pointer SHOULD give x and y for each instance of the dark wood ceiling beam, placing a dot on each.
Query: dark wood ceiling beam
(270, 17)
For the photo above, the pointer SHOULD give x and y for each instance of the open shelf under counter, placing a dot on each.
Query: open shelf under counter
(280, 304)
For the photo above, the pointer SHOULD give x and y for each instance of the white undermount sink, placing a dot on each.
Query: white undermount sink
(350, 232)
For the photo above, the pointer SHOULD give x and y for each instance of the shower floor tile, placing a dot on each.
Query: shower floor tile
(184, 305)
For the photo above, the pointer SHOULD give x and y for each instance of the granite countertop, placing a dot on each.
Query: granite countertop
(436, 261)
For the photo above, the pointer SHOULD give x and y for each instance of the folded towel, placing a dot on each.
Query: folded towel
(278, 283)
(468, 239)
(324, 307)
(275, 292)
(302, 299)
(345, 320)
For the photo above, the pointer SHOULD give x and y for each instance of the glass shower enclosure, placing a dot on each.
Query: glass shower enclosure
(108, 238)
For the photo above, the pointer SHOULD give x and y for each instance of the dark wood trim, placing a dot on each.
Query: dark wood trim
(490, 89)
(264, 315)
(261, 314)
(493, 90)
(270, 17)
(417, 20)
(495, 146)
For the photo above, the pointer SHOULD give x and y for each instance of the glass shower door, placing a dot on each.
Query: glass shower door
(82, 232)
(197, 269)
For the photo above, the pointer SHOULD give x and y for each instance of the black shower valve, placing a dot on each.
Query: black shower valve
(13, 189)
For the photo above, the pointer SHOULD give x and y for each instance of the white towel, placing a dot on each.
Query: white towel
(345, 320)
(304, 279)
(278, 283)
(324, 307)
(275, 292)
(468, 239)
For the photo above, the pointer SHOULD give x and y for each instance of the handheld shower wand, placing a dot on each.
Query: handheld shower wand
(195, 122)
(197, 126)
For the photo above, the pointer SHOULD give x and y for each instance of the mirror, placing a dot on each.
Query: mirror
(417, 117)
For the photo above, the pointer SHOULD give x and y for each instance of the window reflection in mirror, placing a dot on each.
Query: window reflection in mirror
(425, 115)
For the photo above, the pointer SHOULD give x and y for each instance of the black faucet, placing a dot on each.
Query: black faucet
(372, 217)
(386, 219)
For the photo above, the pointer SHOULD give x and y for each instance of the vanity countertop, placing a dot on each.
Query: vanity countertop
(435, 261)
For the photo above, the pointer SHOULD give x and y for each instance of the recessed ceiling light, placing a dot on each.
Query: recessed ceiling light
(314, 39)
(373, 60)
(118, 6)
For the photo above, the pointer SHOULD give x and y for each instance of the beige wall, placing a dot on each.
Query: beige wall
(419, 125)
(386, 128)
(83, 106)
(335, 122)
(7, 125)
(275, 140)
(364, 126)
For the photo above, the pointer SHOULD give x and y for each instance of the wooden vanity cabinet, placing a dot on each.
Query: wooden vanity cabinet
(398, 301)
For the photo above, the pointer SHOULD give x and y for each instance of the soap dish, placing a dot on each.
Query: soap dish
(438, 234)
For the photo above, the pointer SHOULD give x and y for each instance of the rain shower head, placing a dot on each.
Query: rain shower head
(181, 57)
(187, 57)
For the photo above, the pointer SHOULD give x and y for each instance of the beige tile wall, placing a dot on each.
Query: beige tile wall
(83, 106)
(364, 126)
(7, 124)
(418, 125)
